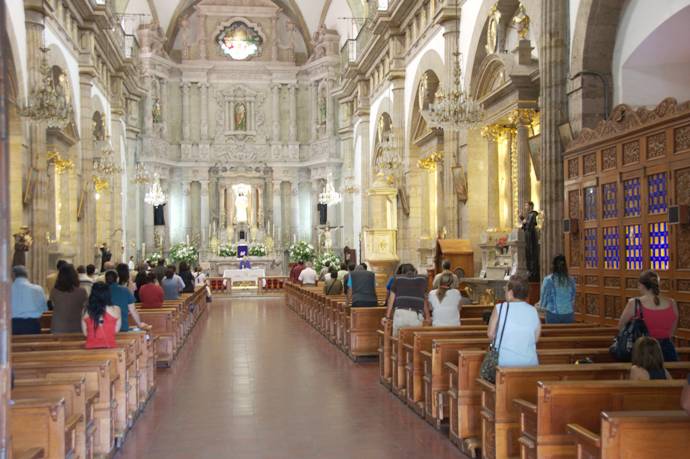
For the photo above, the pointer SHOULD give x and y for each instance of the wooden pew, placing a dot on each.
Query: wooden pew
(43, 423)
(638, 434)
(78, 405)
(543, 423)
(363, 339)
(464, 395)
(31, 453)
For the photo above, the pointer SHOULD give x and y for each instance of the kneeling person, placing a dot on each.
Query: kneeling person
(361, 288)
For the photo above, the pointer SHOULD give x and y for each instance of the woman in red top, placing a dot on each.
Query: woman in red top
(151, 294)
(660, 314)
(101, 321)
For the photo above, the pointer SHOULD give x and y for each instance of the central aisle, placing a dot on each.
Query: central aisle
(255, 381)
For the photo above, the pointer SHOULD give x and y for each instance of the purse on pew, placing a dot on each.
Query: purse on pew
(488, 368)
(623, 343)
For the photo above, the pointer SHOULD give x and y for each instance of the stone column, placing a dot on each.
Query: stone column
(274, 42)
(221, 208)
(292, 95)
(493, 211)
(203, 114)
(314, 109)
(186, 115)
(553, 70)
(187, 207)
(330, 118)
(275, 105)
(524, 190)
(148, 104)
(449, 219)
(204, 213)
(163, 100)
(148, 221)
(277, 213)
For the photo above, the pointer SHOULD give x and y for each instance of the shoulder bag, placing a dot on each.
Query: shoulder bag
(488, 368)
(623, 343)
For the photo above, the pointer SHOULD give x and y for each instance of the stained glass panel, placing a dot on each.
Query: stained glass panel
(633, 247)
(657, 193)
(631, 192)
(609, 200)
(591, 259)
(658, 246)
(611, 248)
(590, 203)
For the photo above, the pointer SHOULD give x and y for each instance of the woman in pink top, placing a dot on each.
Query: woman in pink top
(660, 314)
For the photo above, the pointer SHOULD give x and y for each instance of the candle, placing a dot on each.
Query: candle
(187, 238)
(143, 250)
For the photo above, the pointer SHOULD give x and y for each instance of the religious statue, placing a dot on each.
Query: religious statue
(185, 34)
(522, 22)
(322, 106)
(460, 183)
(106, 255)
(240, 117)
(22, 244)
(156, 111)
(241, 206)
(529, 226)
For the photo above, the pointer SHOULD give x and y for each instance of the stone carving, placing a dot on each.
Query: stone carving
(185, 38)
(234, 123)
(460, 183)
(625, 118)
(631, 153)
(609, 158)
(681, 138)
(492, 30)
(521, 21)
(656, 145)
(590, 164)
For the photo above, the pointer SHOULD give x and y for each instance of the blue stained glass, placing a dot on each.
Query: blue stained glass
(657, 193)
(609, 198)
(633, 247)
(658, 246)
(611, 250)
(590, 203)
(631, 194)
(591, 259)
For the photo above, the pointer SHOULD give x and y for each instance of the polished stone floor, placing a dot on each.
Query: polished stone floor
(255, 381)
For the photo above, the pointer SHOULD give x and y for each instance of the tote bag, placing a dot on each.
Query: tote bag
(488, 368)
(623, 343)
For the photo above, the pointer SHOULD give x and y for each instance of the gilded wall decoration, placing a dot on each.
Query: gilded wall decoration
(631, 152)
(609, 159)
(656, 145)
(592, 304)
(590, 164)
(681, 138)
(612, 282)
(573, 169)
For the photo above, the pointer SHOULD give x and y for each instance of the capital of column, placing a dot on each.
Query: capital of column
(495, 132)
(186, 188)
(523, 116)
(185, 86)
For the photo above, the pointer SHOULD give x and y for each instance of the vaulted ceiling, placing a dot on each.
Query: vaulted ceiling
(307, 14)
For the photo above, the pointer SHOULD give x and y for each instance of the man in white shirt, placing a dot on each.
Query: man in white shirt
(85, 281)
(308, 276)
(130, 264)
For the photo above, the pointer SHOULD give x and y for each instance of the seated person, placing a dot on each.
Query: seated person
(333, 285)
(445, 302)
(361, 288)
(446, 270)
(648, 360)
(121, 296)
(172, 285)
(101, 320)
(308, 276)
(407, 303)
(151, 294)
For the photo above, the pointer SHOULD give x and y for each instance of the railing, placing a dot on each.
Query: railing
(272, 284)
(354, 47)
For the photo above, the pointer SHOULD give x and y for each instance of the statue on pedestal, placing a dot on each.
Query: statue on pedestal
(529, 226)
(22, 244)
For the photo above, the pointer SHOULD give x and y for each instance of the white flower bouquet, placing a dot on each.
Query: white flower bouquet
(182, 252)
(301, 251)
(227, 250)
(258, 250)
(324, 257)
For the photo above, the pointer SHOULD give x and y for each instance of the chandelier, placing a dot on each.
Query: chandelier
(389, 161)
(105, 165)
(329, 196)
(61, 165)
(350, 186)
(429, 162)
(142, 176)
(155, 195)
(455, 110)
(49, 102)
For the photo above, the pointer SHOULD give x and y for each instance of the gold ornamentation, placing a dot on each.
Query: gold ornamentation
(430, 161)
(492, 30)
(521, 21)
(495, 132)
(100, 184)
(61, 165)
(523, 116)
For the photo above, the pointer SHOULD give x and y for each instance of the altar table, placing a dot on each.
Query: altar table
(244, 276)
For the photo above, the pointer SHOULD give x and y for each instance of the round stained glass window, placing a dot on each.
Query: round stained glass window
(239, 41)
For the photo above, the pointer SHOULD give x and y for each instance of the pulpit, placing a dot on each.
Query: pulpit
(460, 254)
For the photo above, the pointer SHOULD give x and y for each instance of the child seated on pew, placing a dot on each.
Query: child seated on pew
(101, 320)
(648, 360)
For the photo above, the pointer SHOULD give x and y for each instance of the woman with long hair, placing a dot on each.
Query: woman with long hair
(68, 300)
(445, 302)
(647, 360)
(187, 277)
(558, 293)
(660, 314)
(101, 320)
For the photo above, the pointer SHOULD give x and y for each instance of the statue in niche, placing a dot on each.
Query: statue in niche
(156, 112)
(240, 117)
(522, 22)
(185, 33)
(460, 183)
(22, 244)
(529, 226)
(241, 207)
(322, 106)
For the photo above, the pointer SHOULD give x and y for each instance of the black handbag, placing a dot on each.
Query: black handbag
(623, 343)
(488, 368)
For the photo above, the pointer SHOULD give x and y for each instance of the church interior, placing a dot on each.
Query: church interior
(533, 152)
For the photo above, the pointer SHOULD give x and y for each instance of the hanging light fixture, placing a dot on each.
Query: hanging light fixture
(105, 165)
(142, 176)
(455, 110)
(389, 160)
(48, 102)
(329, 196)
(349, 185)
(155, 195)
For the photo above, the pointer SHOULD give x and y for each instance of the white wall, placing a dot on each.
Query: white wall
(16, 30)
(339, 9)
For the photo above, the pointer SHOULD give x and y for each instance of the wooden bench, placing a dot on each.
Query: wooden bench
(31, 453)
(43, 423)
(638, 434)
(544, 421)
(78, 405)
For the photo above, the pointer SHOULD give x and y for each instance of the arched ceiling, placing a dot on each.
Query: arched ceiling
(308, 15)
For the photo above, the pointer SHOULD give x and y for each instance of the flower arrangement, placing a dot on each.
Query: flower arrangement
(301, 251)
(324, 257)
(258, 250)
(182, 252)
(152, 259)
(227, 250)
(502, 244)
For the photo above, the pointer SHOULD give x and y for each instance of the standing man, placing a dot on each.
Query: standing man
(28, 303)
(529, 226)
(130, 264)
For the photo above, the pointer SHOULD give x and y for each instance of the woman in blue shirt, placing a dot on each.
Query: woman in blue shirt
(558, 294)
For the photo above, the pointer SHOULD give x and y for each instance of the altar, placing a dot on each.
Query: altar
(244, 277)
(217, 265)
